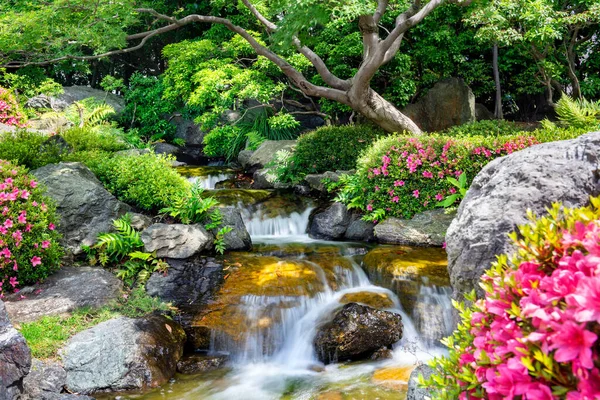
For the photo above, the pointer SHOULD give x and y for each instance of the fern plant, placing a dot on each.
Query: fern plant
(220, 245)
(122, 250)
(578, 113)
(84, 114)
(192, 208)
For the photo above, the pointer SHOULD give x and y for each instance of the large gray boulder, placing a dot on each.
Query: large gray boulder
(15, 358)
(330, 224)
(45, 380)
(238, 238)
(44, 101)
(450, 102)
(266, 153)
(69, 289)
(72, 94)
(176, 240)
(414, 391)
(356, 332)
(190, 282)
(244, 158)
(123, 354)
(501, 194)
(425, 229)
(167, 149)
(360, 231)
(85, 207)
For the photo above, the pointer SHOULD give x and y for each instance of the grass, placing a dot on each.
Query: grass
(48, 334)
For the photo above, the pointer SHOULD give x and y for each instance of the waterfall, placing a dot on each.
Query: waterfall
(209, 182)
(261, 225)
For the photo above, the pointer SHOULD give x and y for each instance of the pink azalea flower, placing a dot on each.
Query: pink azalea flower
(8, 224)
(439, 197)
(13, 281)
(573, 342)
(45, 244)
(33, 184)
(398, 183)
(51, 227)
(416, 194)
(369, 207)
(22, 218)
(36, 261)
(586, 299)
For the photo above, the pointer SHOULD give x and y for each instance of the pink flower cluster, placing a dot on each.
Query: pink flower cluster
(411, 175)
(27, 240)
(542, 310)
(9, 110)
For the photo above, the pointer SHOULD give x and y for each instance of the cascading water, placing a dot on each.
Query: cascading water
(209, 182)
(297, 283)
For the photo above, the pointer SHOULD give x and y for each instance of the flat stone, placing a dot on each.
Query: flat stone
(425, 229)
(176, 240)
(67, 290)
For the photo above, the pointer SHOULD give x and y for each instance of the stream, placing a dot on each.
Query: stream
(267, 312)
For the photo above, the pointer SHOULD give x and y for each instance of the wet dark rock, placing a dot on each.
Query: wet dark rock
(15, 358)
(238, 238)
(500, 195)
(356, 332)
(414, 391)
(360, 231)
(123, 354)
(263, 179)
(432, 321)
(197, 363)
(425, 229)
(302, 190)
(176, 240)
(330, 224)
(45, 380)
(187, 283)
(69, 289)
(382, 354)
(188, 131)
(85, 207)
(450, 102)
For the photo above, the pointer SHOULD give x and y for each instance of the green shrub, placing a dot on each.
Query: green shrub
(147, 181)
(217, 141)
(331, 148)
(493, 128)
(30, 250)
(25, 148)
(83, 139)
(10, 110)
(401, 176)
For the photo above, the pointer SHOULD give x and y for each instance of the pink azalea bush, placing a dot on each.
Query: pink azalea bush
(29, 243)
(535, 335)
(401, 176)
(9, 109)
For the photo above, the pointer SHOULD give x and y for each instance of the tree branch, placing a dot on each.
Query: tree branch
(327, 76)
(381, 8)
(268, 24)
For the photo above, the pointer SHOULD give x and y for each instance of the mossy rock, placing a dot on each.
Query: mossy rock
(380, 301)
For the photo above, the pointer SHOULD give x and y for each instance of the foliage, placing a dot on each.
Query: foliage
(122, 250)
(220, 245)
(461, 185)
(401, 176)
(535, 333)
(29, 82)
(30, 245)
(228, 140)
(32, 149)
(491, 128)
(191, 207)
(87, 113)
(147, 181)
(146, 110)
(578, 114)
(331, 148)
(48, 334)
(10, 113)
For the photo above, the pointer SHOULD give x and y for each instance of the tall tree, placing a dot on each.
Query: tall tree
(287, 22)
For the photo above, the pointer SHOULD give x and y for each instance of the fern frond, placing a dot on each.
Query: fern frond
(98, 115)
